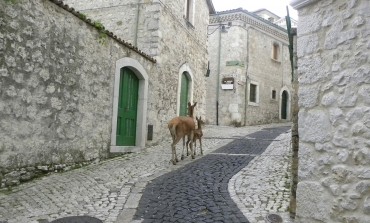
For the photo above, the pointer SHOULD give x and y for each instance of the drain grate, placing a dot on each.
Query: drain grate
(273, 218)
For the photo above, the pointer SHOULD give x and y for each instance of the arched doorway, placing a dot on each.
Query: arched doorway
(130, 99)
(184, 89)
(284, 105)
(184, 94)
(127, 108)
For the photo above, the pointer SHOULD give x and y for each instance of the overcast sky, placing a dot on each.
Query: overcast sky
(276, 6)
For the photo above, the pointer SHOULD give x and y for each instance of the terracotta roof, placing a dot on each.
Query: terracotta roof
(103, 30)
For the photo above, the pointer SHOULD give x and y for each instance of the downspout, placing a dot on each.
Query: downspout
(137, 23)
(218, 75)
(246, 81)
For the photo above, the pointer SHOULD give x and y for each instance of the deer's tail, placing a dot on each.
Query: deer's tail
(172, 128)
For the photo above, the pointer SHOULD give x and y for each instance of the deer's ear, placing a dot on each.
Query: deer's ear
(189, 104)
(195, 104)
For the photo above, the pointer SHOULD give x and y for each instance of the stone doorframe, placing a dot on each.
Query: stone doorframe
(143, 77)
(288, 110)
(184, 68)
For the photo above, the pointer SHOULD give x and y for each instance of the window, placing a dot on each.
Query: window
(253, 93)
(273, 95)
(275, 51)
(189, 10)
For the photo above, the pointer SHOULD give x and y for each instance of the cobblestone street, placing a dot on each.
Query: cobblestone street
(256, 183)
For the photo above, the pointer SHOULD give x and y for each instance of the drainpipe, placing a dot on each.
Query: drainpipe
(137, 23)
(218, 74)
(246, 81)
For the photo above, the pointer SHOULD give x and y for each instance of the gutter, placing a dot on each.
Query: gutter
(137, 23)
(246, 80)
(218, 75)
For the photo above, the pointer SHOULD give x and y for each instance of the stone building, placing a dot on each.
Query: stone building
(277, 20)
(174, 32)
(267, 15)
(250, 78)
(62, 77)
(334, 118)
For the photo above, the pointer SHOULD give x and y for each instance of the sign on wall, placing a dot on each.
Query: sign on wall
(227, 83)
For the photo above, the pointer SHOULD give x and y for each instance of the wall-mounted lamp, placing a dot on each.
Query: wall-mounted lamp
(224, 27)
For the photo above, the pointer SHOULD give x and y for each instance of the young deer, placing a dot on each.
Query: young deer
(180, 127)
(198, 134)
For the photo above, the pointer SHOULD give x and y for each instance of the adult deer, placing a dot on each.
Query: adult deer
(180, 127)
(190, 114)
(198, 134)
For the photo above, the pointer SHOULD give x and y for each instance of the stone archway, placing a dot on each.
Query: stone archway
(142, 102)
(284, 104)
(184, 70)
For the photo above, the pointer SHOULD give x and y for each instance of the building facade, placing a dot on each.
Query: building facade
(250, 78)
(334, 111)
(175, 34)
(72, 91)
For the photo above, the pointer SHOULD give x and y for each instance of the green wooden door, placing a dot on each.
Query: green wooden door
(184, 95)
(127, 108)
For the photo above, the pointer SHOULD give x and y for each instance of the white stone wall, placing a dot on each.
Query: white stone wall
(250, 42)
(56, 86)
(163, 33)
(134, 21)
(334, 117)
(269, 75)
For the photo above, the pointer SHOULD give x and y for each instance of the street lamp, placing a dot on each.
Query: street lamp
(224, 27)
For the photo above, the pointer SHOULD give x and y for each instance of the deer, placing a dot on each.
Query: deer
(180, 127)
(198, 134)
(191, 114)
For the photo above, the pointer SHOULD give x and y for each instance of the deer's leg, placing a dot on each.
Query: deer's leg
(183, 148)
(195, 146)
(191, 144)
(201, 149)
(174, 156)
(187, 146)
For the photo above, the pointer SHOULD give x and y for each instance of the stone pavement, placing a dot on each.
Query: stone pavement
(198, 192)
(111, 190)
(263, 187)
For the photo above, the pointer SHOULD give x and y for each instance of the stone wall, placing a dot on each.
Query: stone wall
(56, 88)
(180, 45)
(59, 78)
(135, 21)
(270, 75)
(334, 117)
(163, 32)
(243, 51)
